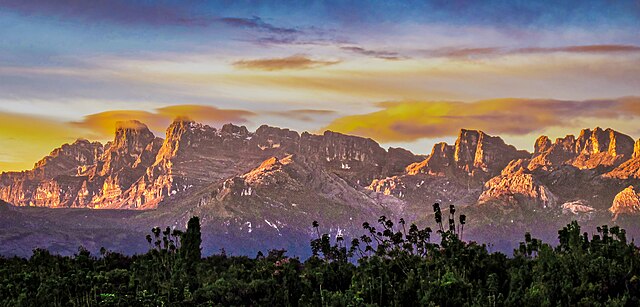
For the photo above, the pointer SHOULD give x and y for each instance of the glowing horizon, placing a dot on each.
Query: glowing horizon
(405, 73)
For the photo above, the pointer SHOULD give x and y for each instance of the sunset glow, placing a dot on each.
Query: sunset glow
(409, 73)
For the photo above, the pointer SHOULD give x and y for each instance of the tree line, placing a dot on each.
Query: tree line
(392, 264)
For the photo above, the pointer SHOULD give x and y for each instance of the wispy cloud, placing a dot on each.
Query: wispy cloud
(292, 62)
(257, 23)
(380, 54)
(308, 115)
(583, 49)
(410, 121)
(498, 51)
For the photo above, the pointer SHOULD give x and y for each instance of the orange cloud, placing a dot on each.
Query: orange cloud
(296, 62)
(410, 121)
(104, 123)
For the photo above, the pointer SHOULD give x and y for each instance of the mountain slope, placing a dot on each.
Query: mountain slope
(257, 190)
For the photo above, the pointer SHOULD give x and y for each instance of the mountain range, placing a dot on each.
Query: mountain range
(262, 189)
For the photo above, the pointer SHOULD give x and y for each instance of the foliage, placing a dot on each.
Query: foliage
(393, 264)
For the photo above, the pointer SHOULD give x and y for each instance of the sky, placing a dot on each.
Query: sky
(404, 73)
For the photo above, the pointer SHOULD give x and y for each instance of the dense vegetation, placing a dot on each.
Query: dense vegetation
(394, 264)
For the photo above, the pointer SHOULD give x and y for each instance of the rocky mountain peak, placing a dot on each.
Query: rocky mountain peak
(626, 202)
(437, 163)
(543, 143)
(516, 185)
(133, 144)
(465, 147)
(268, 131)
(628, 169)
(599, 141)
(474, 153)
(595, 148)
(131, 137)
(180, 134)
(233, 129)
(68, 158)
(333, 146)
(178, 127)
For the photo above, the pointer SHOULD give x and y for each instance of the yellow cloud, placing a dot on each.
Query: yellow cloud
(410, 121)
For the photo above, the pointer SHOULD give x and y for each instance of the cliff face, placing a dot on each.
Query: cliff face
(567, 170)
(84, 174)
(630, 169)
(68, 159)
(517, 185)
(439, 163)
(475, 154)
(451, 173)
(357, 160)
(139, 171)
(592, 149)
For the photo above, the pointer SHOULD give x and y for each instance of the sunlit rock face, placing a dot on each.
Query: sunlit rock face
(85, 174)
(451, 173)
(475, 154)
(516, 184)
(68, 159)
(439, 162)
(139, 171)
(567, 169)
(627, 202)
(630, 169)
(592, 149)
(41, 185)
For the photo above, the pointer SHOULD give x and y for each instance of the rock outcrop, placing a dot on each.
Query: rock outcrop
(577, 207)
(475, 154)
(516, 185)
(630, 169)
(451, 173)
(84, 174)
(627, 202)
(592, 149)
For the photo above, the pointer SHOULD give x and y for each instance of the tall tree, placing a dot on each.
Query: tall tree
(191, 240)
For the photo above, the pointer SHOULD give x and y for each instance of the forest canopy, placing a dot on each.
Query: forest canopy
(392, 264)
